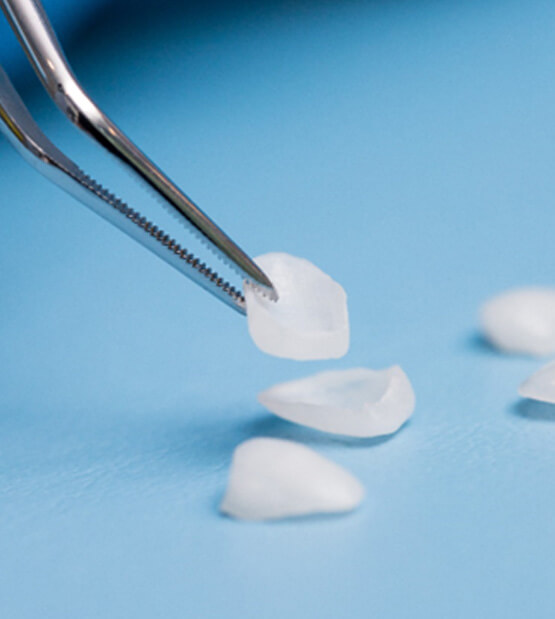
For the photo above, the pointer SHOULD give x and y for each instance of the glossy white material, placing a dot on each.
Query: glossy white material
(541, 385)
(310, 319)
(357, 402)
(273, 478)
(521, 321)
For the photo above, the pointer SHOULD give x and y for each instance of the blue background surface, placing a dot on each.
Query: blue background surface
(407, 148)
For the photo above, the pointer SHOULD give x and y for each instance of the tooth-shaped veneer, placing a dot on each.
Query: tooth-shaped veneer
(273, 478)
(541, 385)
(521, 321)
(310, 319)
(357, 402)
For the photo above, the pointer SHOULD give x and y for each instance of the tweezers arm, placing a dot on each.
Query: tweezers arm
(37, 37)
(21, 130)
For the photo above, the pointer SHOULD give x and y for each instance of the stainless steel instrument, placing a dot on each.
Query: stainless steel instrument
(34, 31)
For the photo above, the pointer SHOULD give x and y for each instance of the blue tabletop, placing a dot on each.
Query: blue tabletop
(407, 149)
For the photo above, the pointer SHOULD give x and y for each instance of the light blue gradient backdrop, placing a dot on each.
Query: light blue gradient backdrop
(408, 149)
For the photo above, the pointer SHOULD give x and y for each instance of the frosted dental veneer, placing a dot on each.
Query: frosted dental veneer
(272, 478)
(521, 321)
(310, 319)
(358, 402)
(541, 385)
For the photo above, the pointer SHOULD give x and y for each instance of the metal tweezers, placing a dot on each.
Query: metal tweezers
(37, 37)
